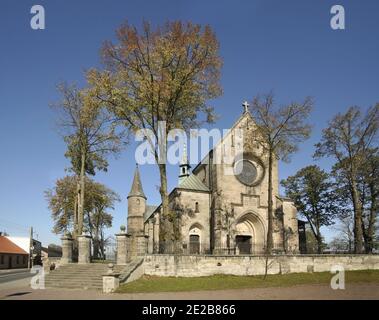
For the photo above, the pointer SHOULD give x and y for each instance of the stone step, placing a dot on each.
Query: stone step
(74, 286)
(82, 268)
(79, 276)
(86, 269)
(74, 276)
(73, 282)
(60, 277)
(79, 272)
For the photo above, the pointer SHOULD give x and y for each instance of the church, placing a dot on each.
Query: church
(219, 213)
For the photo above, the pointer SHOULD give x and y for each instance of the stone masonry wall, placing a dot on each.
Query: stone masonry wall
(203, 265)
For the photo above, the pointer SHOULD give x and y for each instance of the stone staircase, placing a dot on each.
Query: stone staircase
(79, 276)
(132, 271)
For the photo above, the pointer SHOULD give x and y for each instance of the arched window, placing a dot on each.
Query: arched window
(197, 207)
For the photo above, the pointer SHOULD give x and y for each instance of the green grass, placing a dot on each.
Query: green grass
(220, 282)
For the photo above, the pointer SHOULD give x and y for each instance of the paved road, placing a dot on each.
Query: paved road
(15, 279)
(14, 275)
(305, 292)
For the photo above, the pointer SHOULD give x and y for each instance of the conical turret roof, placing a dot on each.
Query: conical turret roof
(136, 190)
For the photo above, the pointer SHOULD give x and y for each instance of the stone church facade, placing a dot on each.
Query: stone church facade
(218, 212)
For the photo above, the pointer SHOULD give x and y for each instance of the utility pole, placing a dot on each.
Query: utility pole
(30, 262)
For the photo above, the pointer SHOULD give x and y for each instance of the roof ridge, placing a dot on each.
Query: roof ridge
(8, 246)
(193, 182)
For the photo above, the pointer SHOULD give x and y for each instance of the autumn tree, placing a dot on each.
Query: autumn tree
(62, 204)
(312, 192)
(90, 135)
(278, 130)
(159, 76)
(98, 201)
(348, 139)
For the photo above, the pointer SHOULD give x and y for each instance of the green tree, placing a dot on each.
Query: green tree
(312, 192)
(312, 243)
(279, 131)
(62, 204)
(369, 196)
(368, 188)
(166, 74)
(98, 200)
(347, 139)
(90, 135)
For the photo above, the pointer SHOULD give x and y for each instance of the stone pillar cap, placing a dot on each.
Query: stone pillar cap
(123, 234)
(66, 238)
(84, 236)
(113, 274)
(110, 271)
(142, 235)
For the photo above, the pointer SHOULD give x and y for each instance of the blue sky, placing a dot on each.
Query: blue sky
(285, 46)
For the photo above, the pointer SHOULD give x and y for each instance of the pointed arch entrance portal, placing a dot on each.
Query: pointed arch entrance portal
(249, 234)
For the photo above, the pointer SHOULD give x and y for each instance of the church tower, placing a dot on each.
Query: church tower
(136, 206)
(184, 167)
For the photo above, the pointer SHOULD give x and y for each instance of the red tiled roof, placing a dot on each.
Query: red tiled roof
(7, 246)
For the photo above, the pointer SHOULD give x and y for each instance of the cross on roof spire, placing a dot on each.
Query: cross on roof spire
(246, 106)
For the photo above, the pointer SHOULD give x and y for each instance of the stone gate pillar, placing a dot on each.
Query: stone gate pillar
(150, 246)
(84, 249)
(67, 243)
(141, 245)
(123, 248)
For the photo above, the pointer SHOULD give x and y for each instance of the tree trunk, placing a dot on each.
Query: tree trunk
(358, 243)
(82, 190)
(165, 232)
(369, 239)
(76, 203)
(102, 245)
(96, 244)
(318, 232)
(269, 243)
(319, 241)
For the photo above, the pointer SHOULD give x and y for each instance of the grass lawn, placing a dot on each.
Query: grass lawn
(219, 282)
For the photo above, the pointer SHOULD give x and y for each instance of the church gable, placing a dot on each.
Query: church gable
(223, 205)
